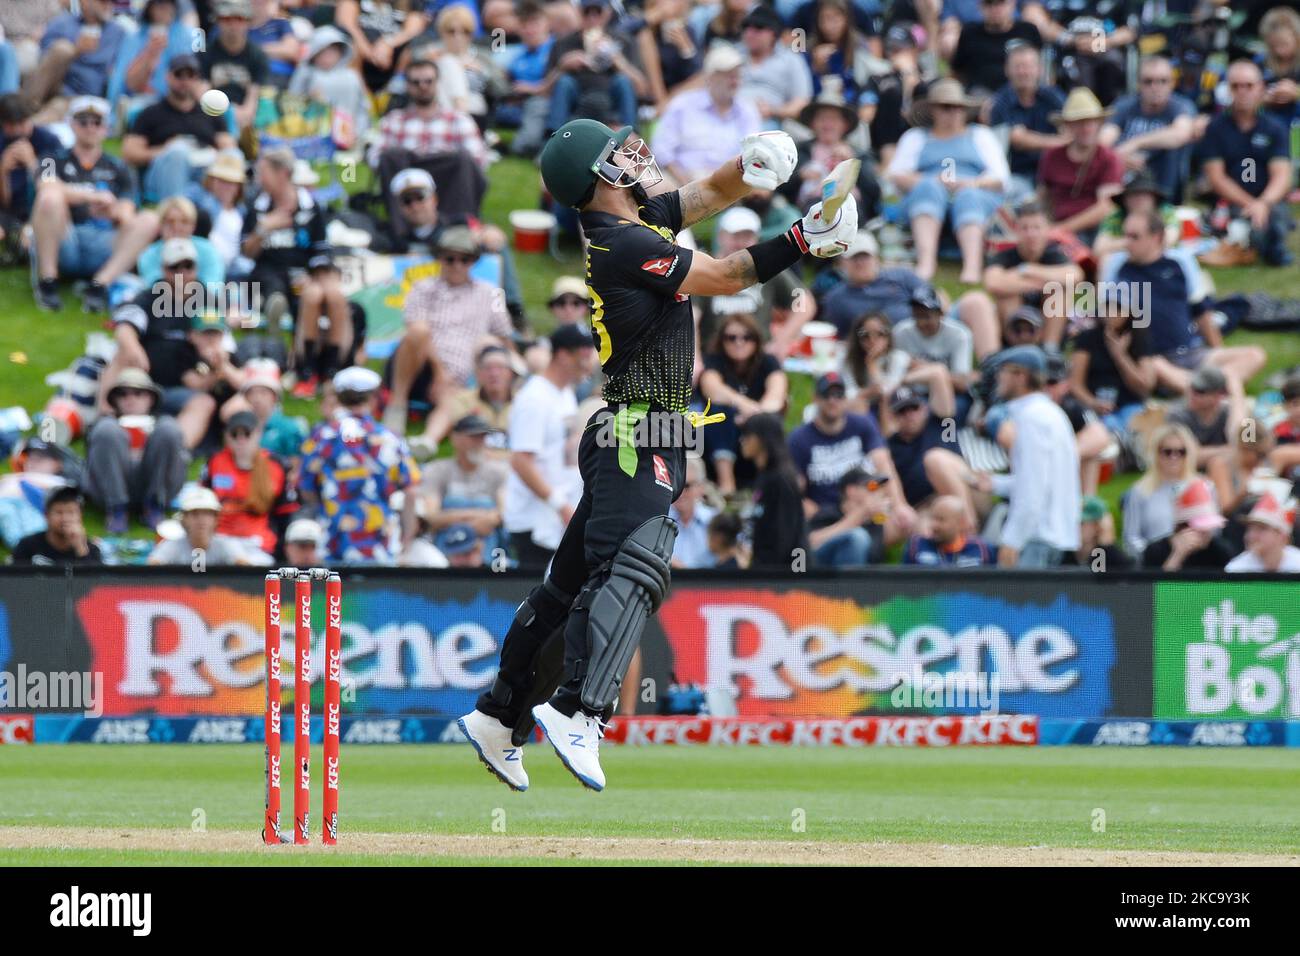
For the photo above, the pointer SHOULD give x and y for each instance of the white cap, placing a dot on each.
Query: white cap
(740, 219)
(179, 250)
(262, 371)
(411, 179)
(721, 58)
(357, 379)
(198, 498)
(863, 242)
(304, 531)
(88, 104)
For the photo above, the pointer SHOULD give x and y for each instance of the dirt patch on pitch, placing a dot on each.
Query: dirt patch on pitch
(542, 848)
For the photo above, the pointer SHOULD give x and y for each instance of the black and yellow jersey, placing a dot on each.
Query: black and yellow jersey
(643, 328)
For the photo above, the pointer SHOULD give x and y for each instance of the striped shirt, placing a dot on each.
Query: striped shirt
(459, 317)
(444, 132)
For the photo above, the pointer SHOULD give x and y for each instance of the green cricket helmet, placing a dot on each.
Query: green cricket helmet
(583, 150)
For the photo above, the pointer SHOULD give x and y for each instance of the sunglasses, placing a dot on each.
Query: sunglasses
(186, 74)
(456, 260)
(88, 119)
(1173, 452)
(739, 338)
(411, 198)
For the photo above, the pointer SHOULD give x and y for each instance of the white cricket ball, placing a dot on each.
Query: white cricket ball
(214, 102)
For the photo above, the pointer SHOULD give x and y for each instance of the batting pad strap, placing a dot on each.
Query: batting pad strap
(774, 256)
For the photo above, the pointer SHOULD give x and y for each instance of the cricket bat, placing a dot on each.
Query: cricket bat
(837, 186)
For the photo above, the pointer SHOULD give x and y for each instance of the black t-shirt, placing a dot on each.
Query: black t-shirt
(778, 524)
(1213, 557)
(1102, 371)
(162, 121)
(163, 331)
(909, 455)
(981, 56)
(108, 173)
(643, 327)
(36, 549)
(290, 247)
(755, 385)
(1010, 259)
(886, 91)
(234, 73)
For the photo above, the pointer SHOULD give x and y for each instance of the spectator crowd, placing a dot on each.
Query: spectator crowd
(1028, 313)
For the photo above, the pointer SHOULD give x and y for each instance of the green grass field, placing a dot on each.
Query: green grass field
(420, 804)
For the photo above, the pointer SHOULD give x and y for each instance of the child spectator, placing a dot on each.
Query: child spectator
(326, 74)
(247, 481)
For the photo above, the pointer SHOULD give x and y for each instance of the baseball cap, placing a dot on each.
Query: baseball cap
(234, 8)
(304, 531)
(1195, 507)
(926, 298)
(829, 382)
(1094, 509)
(208, 322)
(905, 397)
(899, 37)
(179, 250)
(242, 420)
(1027, 313)
(458, 239)
(1207, 378)
(356, 379)
(411, 179)
(88, 104)
(472, 425)
(567, 285)
(863, 242)
(740, 219)
(721, 58)
(571, 336)
(1057, 369)
(1270, 512)
(184, 61)
(456, 539)
(198, 498)
(763, 18)
(1028, 357)
(264, 372)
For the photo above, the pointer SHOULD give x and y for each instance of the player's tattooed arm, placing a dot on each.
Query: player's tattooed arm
(710, 276)
(708, 196)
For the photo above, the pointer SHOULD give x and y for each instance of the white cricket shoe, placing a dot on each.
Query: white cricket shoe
(491, 739)
(576, 741)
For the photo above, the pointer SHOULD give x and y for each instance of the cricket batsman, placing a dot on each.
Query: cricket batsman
(566, 653)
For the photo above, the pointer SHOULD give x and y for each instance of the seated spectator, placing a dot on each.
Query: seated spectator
(950, 542)
(1078, 180)
(330, 330)
(495, 381)
(1197, 541)
(1042, 523)
(718, 24)
(23, 145)
(140, 72)
(1280, 63)
(153, 333)
(980, 58)
(691, 549)
(778, 530)
(950, 172)
(885, 101)
(304, 543)
(381, 31)
(1023, 107)
(260, 393)
(702, 128)
(592, 72)
(1169, 292)
(1149, 504)
(923, 446)
(161, 140)
(540, 497)
(449, 319)
(1097, 548)
(202, 542)
(64, 540)
(669, 55)
(139, 249)
(77, 54)
(1090, 435)
(1034, 273)
(1286, 433)
(867, 288)
(80, 210)
(1112, 370)
(352, 465)
(837, 49)
(740, 379)
(528, 104)
(135, 453)
(833, 123)
(1248, 166)
(468, 488)
(872, 366)
(471, 79)
(1243, 475)
(724, 541)
(781, 306)
(774, 77)
(836, 441)
(23, 24)
(444, 142)
(855, 531)
(233, 64)
(1092, 47)
(461, 547)
(327, 74)
(1268, 540)
(248, 482)
(1213, 411)
(272, 32)
(931, 337)
(1151, 129)
(1141, 195)
(223, 185)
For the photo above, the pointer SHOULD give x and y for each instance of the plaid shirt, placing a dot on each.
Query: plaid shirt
(459, 317)
(444, 132)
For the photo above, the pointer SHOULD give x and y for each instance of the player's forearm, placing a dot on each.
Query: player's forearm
(702, 198)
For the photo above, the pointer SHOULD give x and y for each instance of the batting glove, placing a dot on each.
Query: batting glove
(827, 241)
(767, 159)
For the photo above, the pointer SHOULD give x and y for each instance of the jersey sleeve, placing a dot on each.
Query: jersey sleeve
(642, 257)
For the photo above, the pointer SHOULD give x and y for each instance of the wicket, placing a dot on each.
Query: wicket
(302, 578)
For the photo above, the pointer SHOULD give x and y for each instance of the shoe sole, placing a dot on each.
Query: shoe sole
(484, 760)
(582, 779)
